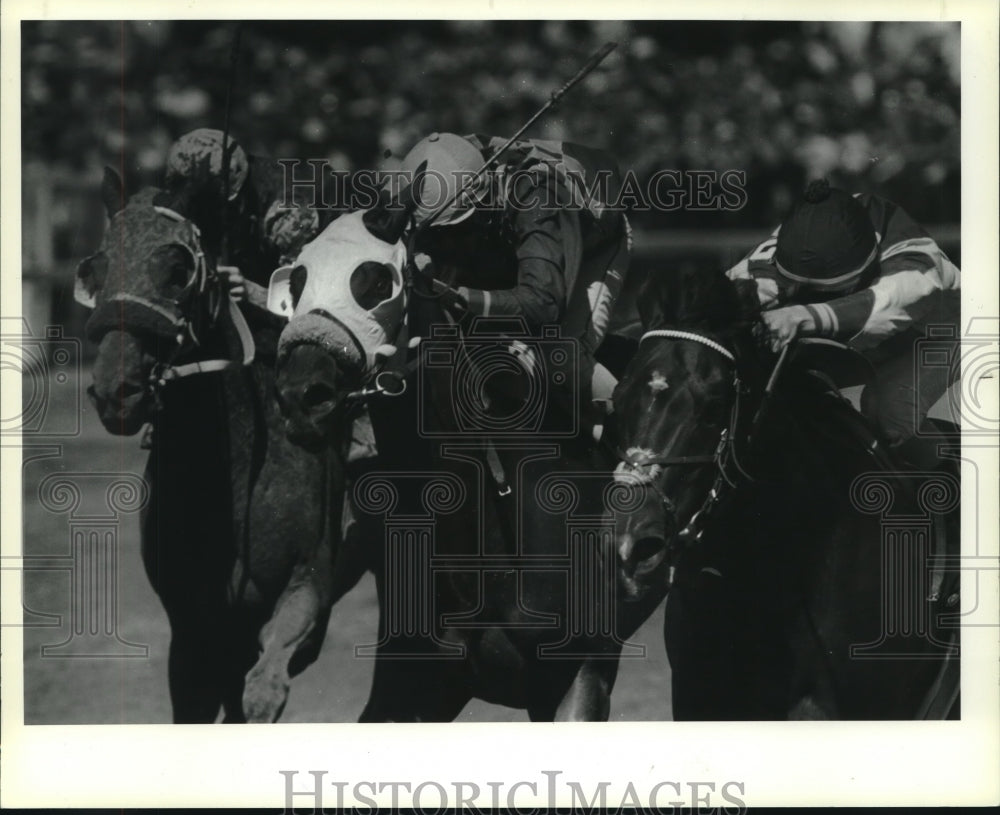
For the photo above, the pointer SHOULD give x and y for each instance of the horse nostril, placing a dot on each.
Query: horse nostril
(318, 395)
(646, 548)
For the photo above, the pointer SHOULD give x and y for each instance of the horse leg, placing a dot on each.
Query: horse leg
(589, 696)
(355, 556)
(292, 638)
(808, 709)
(698, 635)
(298, 623)
(240, 659)
(416, 690)
(194, 673)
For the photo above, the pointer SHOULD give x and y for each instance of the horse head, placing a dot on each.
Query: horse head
(346, 302)
(154, 298)
(675, 416)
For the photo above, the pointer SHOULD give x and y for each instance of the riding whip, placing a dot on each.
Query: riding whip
(596, 59)
(227, 151)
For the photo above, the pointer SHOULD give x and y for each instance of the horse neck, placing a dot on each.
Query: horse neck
(814, 444)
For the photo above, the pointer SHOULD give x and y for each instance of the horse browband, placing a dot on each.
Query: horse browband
(693, 337)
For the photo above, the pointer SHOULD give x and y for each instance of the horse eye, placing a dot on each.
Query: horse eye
(180, 273)
(371, 283)
(297, 283)
(174, 266)
(93, 270)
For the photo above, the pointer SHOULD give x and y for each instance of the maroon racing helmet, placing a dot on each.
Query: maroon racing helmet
(827, 242)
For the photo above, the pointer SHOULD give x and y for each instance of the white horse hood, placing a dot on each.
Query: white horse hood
(331, 262)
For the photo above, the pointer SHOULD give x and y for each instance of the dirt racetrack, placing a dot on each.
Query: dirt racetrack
(81, 690)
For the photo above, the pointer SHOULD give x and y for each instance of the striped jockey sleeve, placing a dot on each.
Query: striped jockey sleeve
(843, 317)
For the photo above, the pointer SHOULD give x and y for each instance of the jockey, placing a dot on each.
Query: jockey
(533, 239)
(858, 269)
(277, 226)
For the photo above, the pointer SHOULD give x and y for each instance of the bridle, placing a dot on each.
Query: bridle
(187, 333)
(175, 311)
(723, 458)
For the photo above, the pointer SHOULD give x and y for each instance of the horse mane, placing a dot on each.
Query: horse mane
(147, 196)
(179, 199)
(696, 298)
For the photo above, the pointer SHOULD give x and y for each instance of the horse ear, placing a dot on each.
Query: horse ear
(748, 300)
(89, 279)
(648, 303)
(112, 191)
(388, 219)
(410, 197)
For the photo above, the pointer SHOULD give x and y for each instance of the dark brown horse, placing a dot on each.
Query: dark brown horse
(804, 578)
(240, 531)
(498, 578)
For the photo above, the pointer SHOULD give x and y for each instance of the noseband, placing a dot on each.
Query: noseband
(721, 458)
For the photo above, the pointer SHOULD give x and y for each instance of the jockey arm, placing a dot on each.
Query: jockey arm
(912, 272)
(905, 290)
(539, 295)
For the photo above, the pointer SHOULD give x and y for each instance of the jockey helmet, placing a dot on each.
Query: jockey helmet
(827, 242)
(197, 157)
(451, 162)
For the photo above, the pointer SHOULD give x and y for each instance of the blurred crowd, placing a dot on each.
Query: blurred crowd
(869, 105)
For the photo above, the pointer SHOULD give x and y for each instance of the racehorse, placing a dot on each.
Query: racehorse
(783, 519)
(498, 579)
(239, 534)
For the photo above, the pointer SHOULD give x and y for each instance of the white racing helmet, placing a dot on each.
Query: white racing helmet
(451, 162)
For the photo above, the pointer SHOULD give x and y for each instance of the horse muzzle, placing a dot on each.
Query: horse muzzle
(641, 542)
(119, 391)
(318, 363)
(309, 394)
